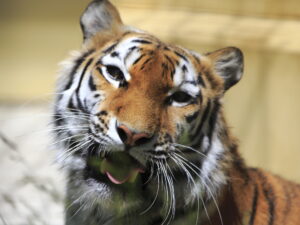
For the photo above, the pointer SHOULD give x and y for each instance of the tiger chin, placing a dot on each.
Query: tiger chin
(143, 139)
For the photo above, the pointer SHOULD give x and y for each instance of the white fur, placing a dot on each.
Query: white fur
(112, 132)
(212, 176)
(183, 80)
(124, 66)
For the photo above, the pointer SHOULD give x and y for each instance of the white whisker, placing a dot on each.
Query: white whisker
(190, 166)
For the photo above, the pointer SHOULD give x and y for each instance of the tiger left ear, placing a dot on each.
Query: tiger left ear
(100, 15)
(228, 64)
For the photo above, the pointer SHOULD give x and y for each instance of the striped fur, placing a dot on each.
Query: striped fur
(192, 171)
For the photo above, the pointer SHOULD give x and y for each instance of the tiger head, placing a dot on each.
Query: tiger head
(133, 111)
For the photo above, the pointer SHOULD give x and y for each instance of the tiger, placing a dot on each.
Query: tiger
(142, 137)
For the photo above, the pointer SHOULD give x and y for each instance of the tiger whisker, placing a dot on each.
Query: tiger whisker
(204, 183)
(170, 195)
(67, 154)
(155, 198)
(182, 163)
(190, 148)
(83, 197)
(171, 185)
(66, 139)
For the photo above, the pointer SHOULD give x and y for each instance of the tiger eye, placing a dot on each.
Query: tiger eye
(115, 73)
(180, 97)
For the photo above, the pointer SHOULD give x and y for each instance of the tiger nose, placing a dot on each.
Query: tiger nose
(131, 138)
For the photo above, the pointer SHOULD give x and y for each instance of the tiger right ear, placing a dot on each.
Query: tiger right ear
(228, 63)
(100, 15)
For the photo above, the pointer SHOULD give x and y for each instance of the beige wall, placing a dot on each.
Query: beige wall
(263, 108)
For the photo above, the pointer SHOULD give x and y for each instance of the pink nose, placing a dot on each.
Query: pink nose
(132, 139)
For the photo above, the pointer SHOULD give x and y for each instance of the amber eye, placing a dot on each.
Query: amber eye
(180, 97)
(115, 73)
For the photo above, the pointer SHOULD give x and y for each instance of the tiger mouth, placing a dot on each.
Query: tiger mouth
(117, 168)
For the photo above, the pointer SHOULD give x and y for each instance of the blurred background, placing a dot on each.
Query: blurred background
(263, 109)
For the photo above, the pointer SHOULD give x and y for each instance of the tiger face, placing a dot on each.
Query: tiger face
(134, 112)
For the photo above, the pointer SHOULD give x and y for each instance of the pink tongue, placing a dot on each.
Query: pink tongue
(120, 169)
(115, 180)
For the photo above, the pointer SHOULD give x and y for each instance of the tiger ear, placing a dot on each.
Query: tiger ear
(228, 64)
(100, 15)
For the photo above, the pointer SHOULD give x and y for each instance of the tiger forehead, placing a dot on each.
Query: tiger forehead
(147, 45)
(142, 51)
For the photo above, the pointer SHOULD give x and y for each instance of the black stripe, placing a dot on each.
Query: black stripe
(58, 119)
(191, 118)
(181, 56)
(203, 119)
(172, 74)
(80, 106)
(170, 61)
(92, 85)
(213, 120)
(72, 143)
(197, 144)
(130, 50)
(142, 41)
(288, 197)
(254, 205)
(190, 82)
(115, 54)
(71, 105)
(197, 59)
(102, 113)
(200, 80)
(79, 103)
(146, 61)
(268, 192)
(138, 59)
(78, 62)
(99, 62)
(200, 97)
(110, 48)
(184, 69)
(82, 74)
(269, 195)
(165, 69)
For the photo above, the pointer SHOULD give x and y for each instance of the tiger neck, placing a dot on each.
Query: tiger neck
(221, 168)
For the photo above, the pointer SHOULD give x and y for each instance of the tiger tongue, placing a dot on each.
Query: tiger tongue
(120, 169)
(131, 177)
